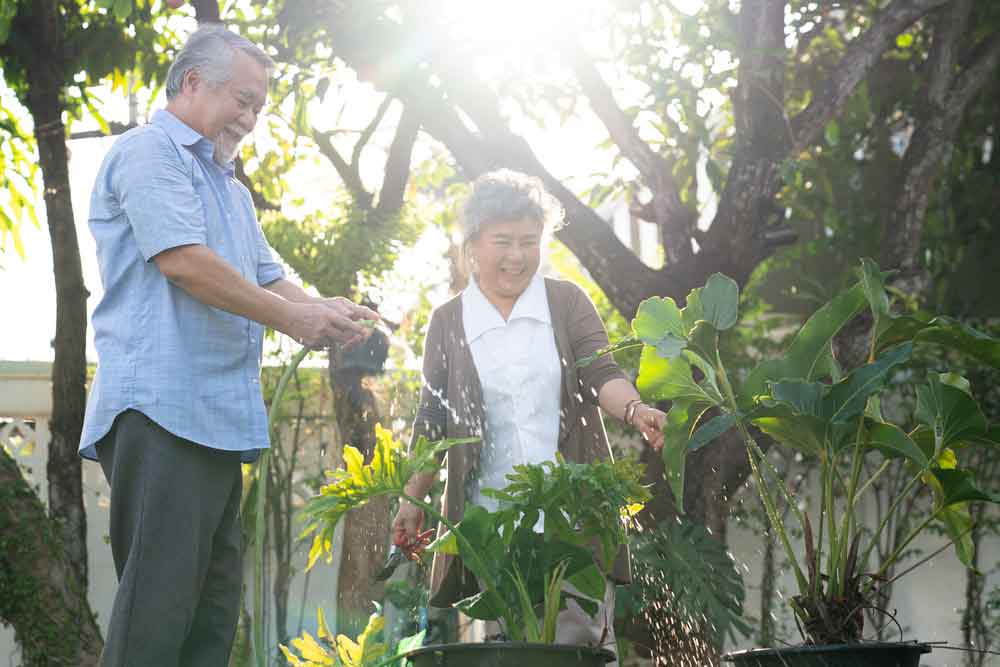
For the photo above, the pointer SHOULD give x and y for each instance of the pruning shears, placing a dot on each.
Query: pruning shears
(407, 550)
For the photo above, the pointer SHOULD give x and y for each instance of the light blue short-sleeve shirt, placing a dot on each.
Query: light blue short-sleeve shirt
(191, 368)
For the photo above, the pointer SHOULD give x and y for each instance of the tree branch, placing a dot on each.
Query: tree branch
(260, 202)
(746, 206)
(861, 55)
(984, 63)
(932, 143)
(949, 26)
(367, 133)
(397, 167)
(347, 172)
(665, 208)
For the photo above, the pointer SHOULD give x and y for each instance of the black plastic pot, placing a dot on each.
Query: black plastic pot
(509, 654)
(867, 654)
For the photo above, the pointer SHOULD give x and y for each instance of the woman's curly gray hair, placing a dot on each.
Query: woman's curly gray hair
(506, 196)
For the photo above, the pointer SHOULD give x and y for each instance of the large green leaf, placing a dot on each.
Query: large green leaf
(800, 432)
(957, 523)
(485, 606)
(893, 442)
(669, 379)
(693, 311)
(874, 286)
(943, 331)
(720, 300)
(703, 342)
(804, 398)
(590, 581)
(715, 427)
(681, 419)
(846, 399)
(953, 415)
(658, 324)
(959, 486)
(843, 401)
(481, 532)
(807, 355)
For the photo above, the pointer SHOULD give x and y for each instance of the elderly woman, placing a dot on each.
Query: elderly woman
(500, 364)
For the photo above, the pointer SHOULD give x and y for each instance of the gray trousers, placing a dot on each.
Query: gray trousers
(175, 538)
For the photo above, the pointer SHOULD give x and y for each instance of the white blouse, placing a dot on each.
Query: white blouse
(519, 370)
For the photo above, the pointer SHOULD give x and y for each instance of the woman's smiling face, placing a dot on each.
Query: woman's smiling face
(506, 256)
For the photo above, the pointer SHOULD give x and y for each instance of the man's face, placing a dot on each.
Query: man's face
(227, 112)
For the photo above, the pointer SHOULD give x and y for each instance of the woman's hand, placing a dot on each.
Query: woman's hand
(406, 527)
(649, 421)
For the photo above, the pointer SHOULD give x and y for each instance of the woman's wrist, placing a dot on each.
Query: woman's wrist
(630, 410)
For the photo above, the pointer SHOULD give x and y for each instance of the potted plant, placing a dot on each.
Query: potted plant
(582, 509)
(809, 405)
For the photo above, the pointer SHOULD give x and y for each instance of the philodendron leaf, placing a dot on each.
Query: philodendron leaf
(668, 379)
(804, 398)
(943, 331)
(893, 442)
(703, 340)
(800, 432)
(806, 357)
(681, 418)
(658, 324)
(715, 427)
(874, 286)
(952, 414)
(720, 298)
(589, 581)
(843, 401)
(955, 517)
(957, 522)
(486, 606)
(846, 399)
(692, 311)
(959, 486)
(445, 544)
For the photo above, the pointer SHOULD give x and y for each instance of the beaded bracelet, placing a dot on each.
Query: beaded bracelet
(630, 409)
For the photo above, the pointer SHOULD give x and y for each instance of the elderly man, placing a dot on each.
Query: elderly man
(176, 406)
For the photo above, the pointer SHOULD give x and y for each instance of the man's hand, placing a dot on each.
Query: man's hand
(329, 322)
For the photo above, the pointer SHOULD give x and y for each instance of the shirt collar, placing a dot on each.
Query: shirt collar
(480, 316)
(183, 134)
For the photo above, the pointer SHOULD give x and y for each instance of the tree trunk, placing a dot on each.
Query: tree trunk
(40, 591)
(366, 533)
(69, 369)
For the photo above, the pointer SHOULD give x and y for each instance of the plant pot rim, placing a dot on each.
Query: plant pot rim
(484, 646)
(827, 648)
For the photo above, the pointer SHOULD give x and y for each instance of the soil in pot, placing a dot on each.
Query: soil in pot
(509, 654)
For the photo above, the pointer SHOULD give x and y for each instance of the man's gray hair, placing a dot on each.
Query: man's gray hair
(509, 196)
(210, 50)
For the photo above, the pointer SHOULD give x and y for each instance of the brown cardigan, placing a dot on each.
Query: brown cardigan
(450, 373)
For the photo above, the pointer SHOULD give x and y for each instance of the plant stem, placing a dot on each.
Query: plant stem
(871, 480)
(905, 543)
(827, 509)
(848, 522)
(927, 558)
(260, 525)
(472, 554)
(888, 515)
(753, 452)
